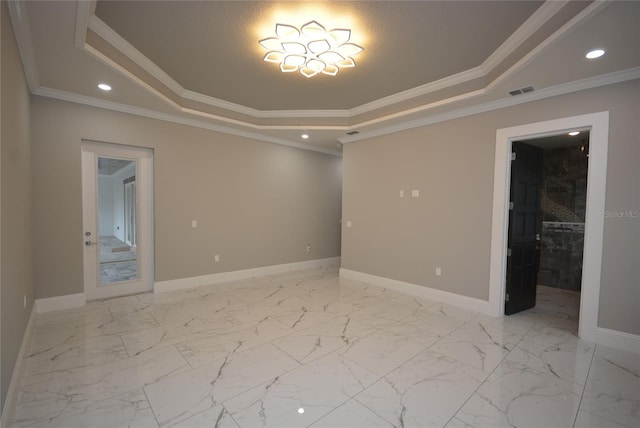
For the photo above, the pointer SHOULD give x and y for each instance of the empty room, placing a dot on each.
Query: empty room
(340, 214)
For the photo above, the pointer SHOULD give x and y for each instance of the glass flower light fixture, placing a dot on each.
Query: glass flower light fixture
(310, 49)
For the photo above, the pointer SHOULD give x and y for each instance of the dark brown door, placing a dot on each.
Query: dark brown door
(524, 228)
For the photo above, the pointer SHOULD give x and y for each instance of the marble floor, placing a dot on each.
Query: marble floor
(308, 349)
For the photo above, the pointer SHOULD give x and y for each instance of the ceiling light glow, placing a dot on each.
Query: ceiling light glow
(304, 136)
(311, 49)
(574, 133)
(596, 53)
(104, 87)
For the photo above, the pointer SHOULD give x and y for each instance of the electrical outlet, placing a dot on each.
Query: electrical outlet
(348, 223)
(216, 258)
(194, 223)
(308, 248)
(438, 271)
(402, 193)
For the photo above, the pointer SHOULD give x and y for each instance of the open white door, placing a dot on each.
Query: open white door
(117, 197)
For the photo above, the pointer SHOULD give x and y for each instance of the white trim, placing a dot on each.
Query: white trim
(18, 371)
(617, 339)
(217, 278)
(127, 49)
(449, 298)
(60, 303)
(562, 89)
(598, 123)
(83, 12)
(526, 30)
(166, 117)
(22, 31)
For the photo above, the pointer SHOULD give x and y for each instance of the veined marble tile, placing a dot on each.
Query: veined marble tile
(65, 359)
(165, 297)
(518, 395)
(386, 349)
(384, 314)
(317, 387)
(205, 387)
(311, 343)
(352, 414)
(425, 391)
(84, 388)
(613, 386)
(216, 417)
(479, 346)
(261, 292)
(167, 335)
(555, 351)
(589, 420)
(184, 311)
(300, 319)
(201, 351)
(457, 423)
(432, 322)
(92, 313)
(511, 323)
(128, 410)
(451, 311)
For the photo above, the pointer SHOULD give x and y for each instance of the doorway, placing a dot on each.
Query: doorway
(117, 236)
(598, 125)
(546, 227)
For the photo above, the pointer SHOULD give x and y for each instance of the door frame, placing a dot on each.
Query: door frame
(91, 150)
(598, 125)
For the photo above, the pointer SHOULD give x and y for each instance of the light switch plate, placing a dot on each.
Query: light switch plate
(348, 223)
(415, 193)
(194, 223)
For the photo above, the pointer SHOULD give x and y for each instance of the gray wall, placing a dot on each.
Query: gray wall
(257, 204)
(16, 256)
(449, 225)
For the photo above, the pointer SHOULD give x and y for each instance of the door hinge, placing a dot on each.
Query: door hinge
(510, 205)
(506, 297)
(508, 252)
(513, 156)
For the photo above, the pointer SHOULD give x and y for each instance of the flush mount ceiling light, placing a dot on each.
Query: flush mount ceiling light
(104, 87)
(311, 49)
(304, 136)
(574, 133)
(596, 53)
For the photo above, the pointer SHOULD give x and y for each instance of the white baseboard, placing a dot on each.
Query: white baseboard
(459, 300)
(217, 278)
(618, 339)
(18, 370)
(60, 302)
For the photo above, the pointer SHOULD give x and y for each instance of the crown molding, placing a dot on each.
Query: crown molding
(526, 30)
(166, 117)
(562, 89)
(22, 31)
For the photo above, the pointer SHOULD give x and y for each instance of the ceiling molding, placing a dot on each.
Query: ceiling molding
(83, 12)
(562, 89)
(569, 26)
(526, 30)
(22, 31)
(166, 117)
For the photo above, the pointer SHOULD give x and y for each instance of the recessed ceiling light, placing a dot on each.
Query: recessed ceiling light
(574, 133)
(104, 87)
(304, 136)
(596, 53)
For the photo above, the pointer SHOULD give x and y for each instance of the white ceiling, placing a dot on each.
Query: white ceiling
(200, 63)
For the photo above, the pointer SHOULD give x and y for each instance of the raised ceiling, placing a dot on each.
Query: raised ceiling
(200, 63)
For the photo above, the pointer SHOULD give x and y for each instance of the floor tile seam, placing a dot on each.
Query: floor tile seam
(584, 387)
(355, 397)
(184, 358)
(486, 378)
(153, 412)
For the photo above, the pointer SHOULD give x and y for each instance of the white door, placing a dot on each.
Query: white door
(117, 197)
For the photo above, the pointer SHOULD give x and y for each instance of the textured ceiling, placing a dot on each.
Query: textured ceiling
(200, 64)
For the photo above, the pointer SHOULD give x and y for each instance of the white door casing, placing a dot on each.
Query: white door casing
(144, 192)
(598, 124)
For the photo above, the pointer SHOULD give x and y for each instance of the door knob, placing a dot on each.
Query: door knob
(90, 243)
